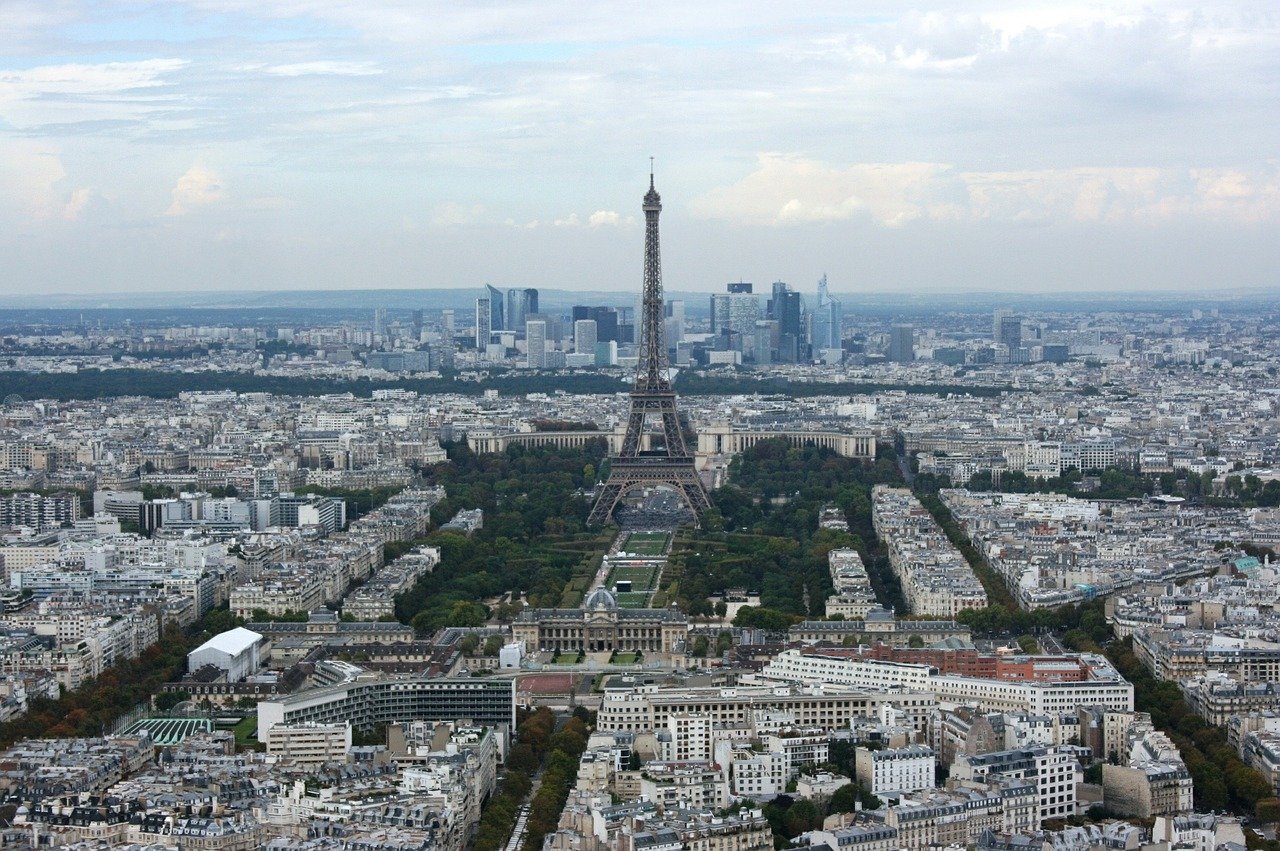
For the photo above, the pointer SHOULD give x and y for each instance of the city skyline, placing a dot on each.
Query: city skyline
(1022, 148)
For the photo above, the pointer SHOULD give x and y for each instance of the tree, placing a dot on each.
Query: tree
(802, 816)
(1267, 809)
(465, 613)
(166, 700)
(844, 799)
(522, 757)
(492, 645)
(469, 643)
(763, 618)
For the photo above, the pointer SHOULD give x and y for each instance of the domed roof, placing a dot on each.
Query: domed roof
(600, 599)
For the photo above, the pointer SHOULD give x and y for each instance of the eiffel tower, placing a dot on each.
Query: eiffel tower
(672, 464)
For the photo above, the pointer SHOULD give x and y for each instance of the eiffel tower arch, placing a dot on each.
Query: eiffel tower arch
(671, 465)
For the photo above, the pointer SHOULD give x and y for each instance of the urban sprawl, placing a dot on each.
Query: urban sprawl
(353, 601)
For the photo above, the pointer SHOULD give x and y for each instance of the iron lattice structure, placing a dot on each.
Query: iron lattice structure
(651, 395)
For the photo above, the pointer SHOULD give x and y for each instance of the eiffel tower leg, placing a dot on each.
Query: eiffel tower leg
(696, 496)
(671, 430)
(602, 511)
(635, 432)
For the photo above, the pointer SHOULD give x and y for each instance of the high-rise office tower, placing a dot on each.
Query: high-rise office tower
(627, 325)
(606, 319)
(738, 310)
(674, 321)
(535, 335)
(584, 337)
(497, 319)
(521, 304)
(902, 344)
(416, 325)
(827, 319)
(484, 316)
(515, 312)
(447, 320)
(719, 313)
(997, 316)
(379, 322)
(1010, 332)
(786, 307)
(744, 313)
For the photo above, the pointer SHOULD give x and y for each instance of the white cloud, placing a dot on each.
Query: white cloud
(332, 68)
(65, 94)
(603, 218)
(791, 190)
(31, 176)
(85, 79)
(198, 187)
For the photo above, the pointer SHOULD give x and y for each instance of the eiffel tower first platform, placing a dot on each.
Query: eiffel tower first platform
(671, 465)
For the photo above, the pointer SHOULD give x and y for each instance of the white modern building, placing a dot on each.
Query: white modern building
(309, 744)
(895, 770)
(237, 651)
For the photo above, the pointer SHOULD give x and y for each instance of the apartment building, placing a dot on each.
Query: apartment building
(898, 771)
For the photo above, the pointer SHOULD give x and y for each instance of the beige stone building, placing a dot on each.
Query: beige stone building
(601, 626)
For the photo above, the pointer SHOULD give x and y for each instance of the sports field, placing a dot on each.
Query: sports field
(641, 577)
(647, 543)
(546, 683)
(633, 599)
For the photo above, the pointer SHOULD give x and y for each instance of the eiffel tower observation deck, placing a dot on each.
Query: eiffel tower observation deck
(669, 464)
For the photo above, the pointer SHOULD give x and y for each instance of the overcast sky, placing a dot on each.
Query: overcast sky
(277, 144)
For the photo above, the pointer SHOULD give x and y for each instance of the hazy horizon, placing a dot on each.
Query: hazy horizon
(223, 145)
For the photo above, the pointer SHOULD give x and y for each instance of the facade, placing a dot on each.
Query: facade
(644, 708)
(484, 330)
(536, 340)
(1008, 690)
(367, 703)
(1147, 789)
(584, 337)
(724, 439)
(39, 512)
(936, 579)
(309, 744)
(902, 344)
(601, 626)
(900, 770)
(1055, 771)
(878, 625)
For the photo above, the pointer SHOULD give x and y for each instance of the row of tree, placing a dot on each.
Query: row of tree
(1222, 780)
(93, 709)
(102, 384)
(997, 591)
(762, 532)
(533, 538)
(562, 751)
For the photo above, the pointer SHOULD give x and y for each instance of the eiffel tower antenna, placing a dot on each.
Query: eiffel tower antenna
(651, 394)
